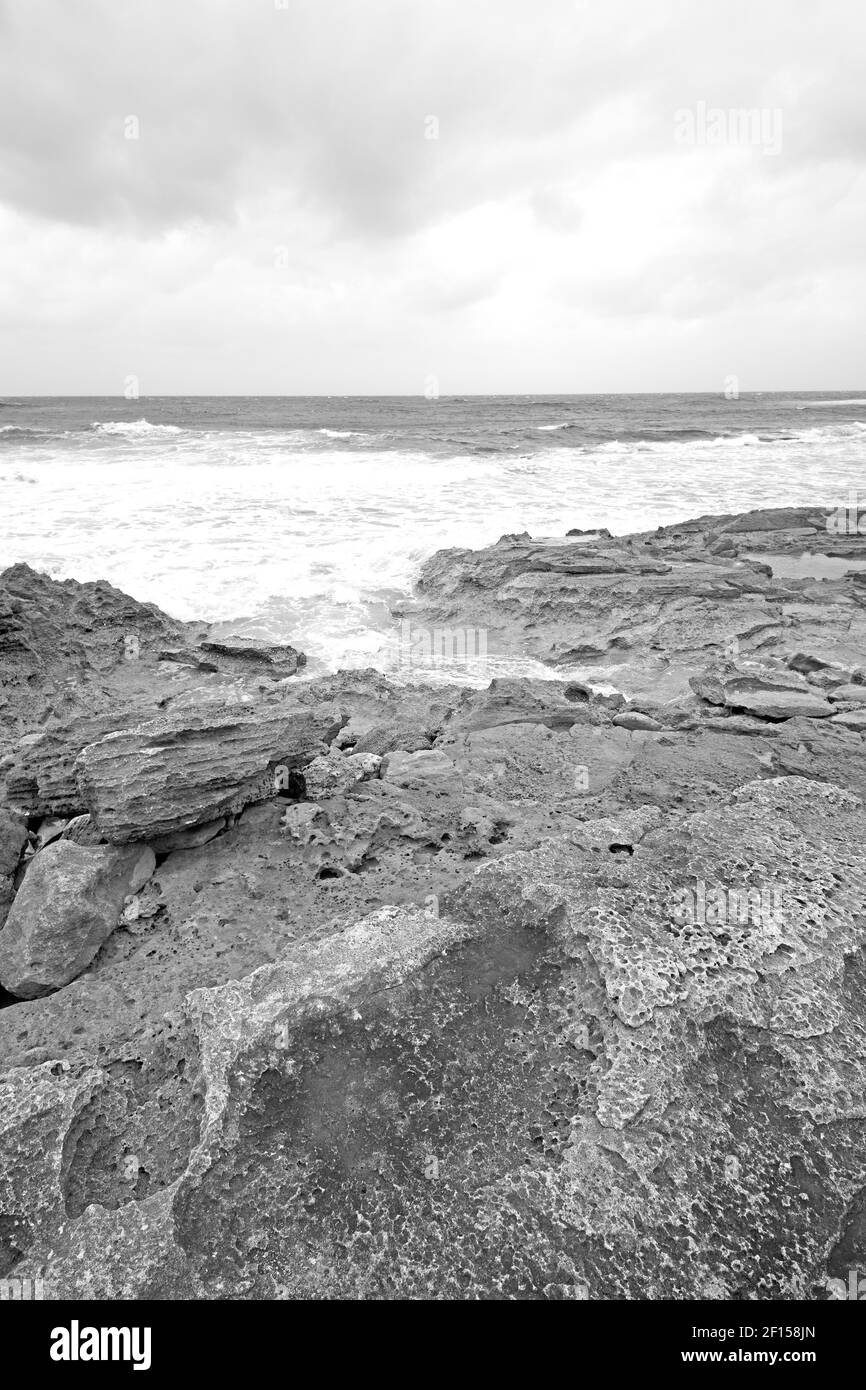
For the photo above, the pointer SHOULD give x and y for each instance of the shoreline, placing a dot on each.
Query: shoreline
(436, 941)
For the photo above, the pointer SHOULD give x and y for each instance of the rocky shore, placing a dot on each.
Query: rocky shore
(357, 987)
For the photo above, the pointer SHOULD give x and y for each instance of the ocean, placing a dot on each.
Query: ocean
(303, 519)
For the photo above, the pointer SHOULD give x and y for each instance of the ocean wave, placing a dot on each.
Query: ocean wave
(735, 441)
(133, 428)
(342, 434)
(827, 405)
(566, 425)
(10, 434)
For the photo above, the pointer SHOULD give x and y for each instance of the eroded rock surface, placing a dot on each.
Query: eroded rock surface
(66, 908)
(551, 989)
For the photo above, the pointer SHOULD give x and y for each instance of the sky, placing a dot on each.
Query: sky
(420, 196)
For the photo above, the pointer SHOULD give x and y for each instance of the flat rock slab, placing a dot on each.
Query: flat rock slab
(851, 719)
(190, 767)
(855, 693)
(272, 659)
(781, 695)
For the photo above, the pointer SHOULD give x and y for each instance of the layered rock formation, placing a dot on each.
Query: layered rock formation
(353, 988)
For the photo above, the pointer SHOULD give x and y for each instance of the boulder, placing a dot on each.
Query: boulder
(777, 695)
(66, 908)
(851, 719)
(251, 655)
(194, 766)
(398, 734)
(856, 694)
(635, 720)
(338, 773)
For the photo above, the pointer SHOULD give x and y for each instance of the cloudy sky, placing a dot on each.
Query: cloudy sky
(352, 196)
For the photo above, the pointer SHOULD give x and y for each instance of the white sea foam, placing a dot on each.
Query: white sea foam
(135, 429)
(313, 545)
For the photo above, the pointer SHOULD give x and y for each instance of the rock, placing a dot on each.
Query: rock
(427, 769)
(66, 908)
(518, 700)
(187, 839)
(851, 719)
(56, 629)
(49, 830)
(187, 768)
(388, 738)
(7, 894)
(818, 671)
(670, 1077)
(250, 654)
(770, 701)
(638, 611)
(297, 819)
(13, 834)
(633, 719)
(43, 780)
(13, 837)
(337, 773)
(856, 694)
(777, 695)
(586, 1084)
(82, 831)
(609, 696)
(710, 687)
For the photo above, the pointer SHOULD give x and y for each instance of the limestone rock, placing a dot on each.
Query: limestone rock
(856, 694)
(13, 836)
(187, 839)
(386, 738)
(82, 831)
(13, 833)
(635, 720)
(431, 769)
(59, 628)
(338, 773)
(776, 695)
(68, 905)
(608, 1027)
(272, 659)
(851, 719)
(189, 768)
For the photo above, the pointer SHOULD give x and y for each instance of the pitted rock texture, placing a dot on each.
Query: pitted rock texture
(547, 1086)
(644, 612)
(565, 997)
(50, 629)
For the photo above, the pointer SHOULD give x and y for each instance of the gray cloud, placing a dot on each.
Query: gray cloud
(555, 162)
